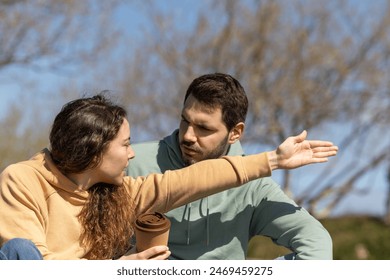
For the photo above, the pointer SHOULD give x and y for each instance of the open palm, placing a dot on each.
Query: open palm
(296, 151)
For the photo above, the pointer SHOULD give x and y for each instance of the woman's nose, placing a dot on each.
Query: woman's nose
(131, 153)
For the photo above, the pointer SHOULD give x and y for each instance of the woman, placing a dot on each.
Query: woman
(74, 202)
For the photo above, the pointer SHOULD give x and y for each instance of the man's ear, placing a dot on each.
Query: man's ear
(236, 133)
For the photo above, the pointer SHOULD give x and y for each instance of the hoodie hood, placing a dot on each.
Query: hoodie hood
(173, 150)
(43, 164)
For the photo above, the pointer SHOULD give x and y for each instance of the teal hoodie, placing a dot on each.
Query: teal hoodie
(220, 226)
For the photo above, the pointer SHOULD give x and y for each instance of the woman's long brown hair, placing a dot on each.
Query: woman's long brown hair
(107, 222)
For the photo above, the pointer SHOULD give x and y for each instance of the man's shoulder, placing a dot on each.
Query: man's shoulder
(154, 156)
(148, 149)
(256, 188)
(155, 145)
(254, 185)
(252, 191)
(146, 145)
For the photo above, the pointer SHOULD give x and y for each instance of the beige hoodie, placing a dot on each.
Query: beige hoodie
(39, 203)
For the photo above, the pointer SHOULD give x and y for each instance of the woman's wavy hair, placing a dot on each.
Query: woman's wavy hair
(79, 137)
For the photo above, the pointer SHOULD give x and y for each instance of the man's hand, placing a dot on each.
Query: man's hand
(295, 151)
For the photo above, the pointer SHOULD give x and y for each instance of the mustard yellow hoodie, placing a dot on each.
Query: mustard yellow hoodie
(39, 203)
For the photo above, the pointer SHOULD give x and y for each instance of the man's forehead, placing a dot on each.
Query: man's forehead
(192, 102)
(203, 116)
(198, 107)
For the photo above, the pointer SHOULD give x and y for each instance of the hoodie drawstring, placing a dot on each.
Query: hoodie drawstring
(188, 224)
(189, 206)
(207, 222)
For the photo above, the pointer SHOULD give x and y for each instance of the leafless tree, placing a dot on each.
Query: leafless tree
(320, 66)
(54, 34)
(316, 65)
(40, 37)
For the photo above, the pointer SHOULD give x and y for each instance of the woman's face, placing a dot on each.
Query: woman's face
(115, 160)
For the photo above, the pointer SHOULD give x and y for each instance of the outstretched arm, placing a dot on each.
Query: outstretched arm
(296, 151)
(163, 192)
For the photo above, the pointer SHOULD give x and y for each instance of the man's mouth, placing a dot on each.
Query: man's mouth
(188, 151)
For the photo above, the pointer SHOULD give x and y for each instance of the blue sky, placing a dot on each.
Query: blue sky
(370, 202)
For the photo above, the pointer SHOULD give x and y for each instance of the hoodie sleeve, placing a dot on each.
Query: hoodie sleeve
(27, 201)
(23, 216)
(280, 218)
(163, 192)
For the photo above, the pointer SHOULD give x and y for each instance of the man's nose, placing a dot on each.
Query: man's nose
(189, 134)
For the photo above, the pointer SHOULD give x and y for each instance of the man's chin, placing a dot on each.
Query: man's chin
(189, 161)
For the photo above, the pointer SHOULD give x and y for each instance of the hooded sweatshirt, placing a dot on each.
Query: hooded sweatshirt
(221, 225)
(39, 203)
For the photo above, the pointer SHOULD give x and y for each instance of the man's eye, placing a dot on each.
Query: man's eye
(205, 128)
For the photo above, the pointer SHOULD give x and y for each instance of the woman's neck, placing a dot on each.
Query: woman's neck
(83, 180)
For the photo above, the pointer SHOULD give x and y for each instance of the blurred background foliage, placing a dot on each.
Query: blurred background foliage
(354, 238)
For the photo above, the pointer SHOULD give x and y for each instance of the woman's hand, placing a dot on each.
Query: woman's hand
(296, 151)
(153, 253)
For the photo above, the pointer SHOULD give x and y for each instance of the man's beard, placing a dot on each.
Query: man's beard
(218, 152)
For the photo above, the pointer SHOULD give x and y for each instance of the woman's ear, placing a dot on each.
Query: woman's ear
(236, 132)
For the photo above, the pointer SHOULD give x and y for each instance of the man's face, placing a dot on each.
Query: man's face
(202, 133)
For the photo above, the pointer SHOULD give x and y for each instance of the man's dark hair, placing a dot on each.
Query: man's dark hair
(220, 90)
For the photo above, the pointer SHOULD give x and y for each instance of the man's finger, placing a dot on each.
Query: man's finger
(325, 149)
(319, 143)
(324, 154)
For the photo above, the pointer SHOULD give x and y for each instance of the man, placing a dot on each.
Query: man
(220, 226)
